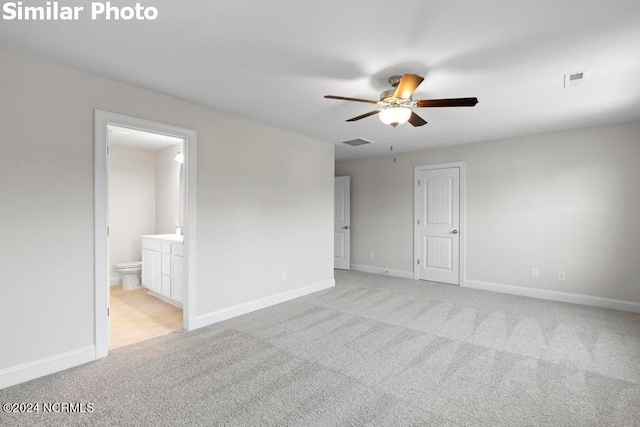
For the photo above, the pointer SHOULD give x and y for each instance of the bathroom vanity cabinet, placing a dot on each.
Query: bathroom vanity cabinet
(163, 267)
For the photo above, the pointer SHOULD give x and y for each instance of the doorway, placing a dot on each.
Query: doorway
(439, 223)
(104, 122)
(146, 198)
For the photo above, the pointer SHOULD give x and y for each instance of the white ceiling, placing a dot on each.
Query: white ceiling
(272, 62)
(141, 140)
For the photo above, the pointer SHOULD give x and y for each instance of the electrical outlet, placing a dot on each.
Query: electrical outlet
(283, 275)
(535, 272)
(562, 275)
(370, 254)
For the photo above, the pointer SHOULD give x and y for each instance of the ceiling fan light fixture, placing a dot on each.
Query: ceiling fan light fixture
(395, 116)
(395, 105)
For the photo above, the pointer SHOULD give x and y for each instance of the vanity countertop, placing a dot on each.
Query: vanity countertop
(171, 237)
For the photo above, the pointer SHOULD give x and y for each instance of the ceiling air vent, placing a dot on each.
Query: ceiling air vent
(577, 79)
(358, 141)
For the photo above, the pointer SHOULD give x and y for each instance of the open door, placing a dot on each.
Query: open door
(342, 223)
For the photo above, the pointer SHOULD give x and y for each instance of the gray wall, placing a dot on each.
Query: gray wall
(265, 204)
(559, 201)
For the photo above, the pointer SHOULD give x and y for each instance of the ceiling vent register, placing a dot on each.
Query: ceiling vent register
(357, 142)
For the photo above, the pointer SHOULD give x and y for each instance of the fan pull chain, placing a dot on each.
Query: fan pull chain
(394, 154)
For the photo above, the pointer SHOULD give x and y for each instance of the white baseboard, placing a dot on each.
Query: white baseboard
(555, 295)
(40, 368)
(385, 271)
(116, 280)
(247, 307)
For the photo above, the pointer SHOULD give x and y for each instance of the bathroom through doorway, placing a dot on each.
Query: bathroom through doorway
(146, 209)
(145, 230)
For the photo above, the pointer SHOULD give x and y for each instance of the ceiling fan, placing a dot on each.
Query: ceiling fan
(395, 104)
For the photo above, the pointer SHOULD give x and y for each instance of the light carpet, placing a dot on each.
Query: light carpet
(374, 350)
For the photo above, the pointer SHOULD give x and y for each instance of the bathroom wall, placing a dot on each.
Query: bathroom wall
(169, 181)
(132, 203)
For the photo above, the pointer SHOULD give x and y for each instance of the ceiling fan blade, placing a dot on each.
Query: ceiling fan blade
(451, 102)
(408, 84)
(370, 113)
(416, 120)
(344, 98)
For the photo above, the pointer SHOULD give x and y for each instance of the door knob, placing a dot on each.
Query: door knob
(455, 231)
(346, 227)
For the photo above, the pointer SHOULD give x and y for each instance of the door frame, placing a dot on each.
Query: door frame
(103, 119)
(463, 218)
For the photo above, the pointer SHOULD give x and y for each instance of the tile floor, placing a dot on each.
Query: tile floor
(137, 316)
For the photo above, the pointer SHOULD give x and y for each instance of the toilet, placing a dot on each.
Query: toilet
(130, 272)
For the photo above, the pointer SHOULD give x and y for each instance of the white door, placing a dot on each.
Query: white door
(439, 225)
(342, 225)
